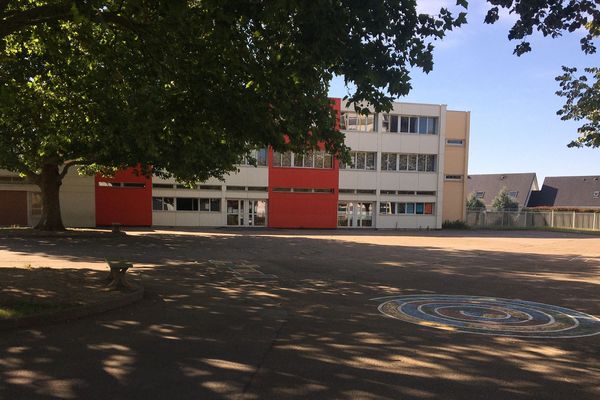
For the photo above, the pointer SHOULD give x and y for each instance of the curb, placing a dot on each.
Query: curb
(72, 313)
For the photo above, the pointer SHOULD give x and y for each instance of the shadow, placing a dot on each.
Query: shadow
(311, 330)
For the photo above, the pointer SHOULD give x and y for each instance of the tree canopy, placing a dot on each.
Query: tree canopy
(474, 203)
(188, 87)
(553, 18)
(504, 202)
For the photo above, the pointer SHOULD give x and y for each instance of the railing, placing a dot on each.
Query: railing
(534, 219)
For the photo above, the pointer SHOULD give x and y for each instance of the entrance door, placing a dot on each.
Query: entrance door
(246, 212)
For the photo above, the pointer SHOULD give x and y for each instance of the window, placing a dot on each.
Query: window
(183, 187)
(596, 194)
(209, 187)
(455, 142)
(362, 160)
(162, 186)
(391, 208)
(352, 121)
(409, 124)
(346, 191)
(421, 162)
(513, 193)
(279, 189)
(479, 195)
(402, 162)
(454, 177)
(236, 188)
(387, 207)
(187, 204)
(366, 191)
(412, 162)
(425, 193)
(258, 155)
(213, 205)
(257, 188)
(408, 192)
(163, 204)
(387, 192)
(312, 159)
(323, 190)
(282, 159)
(388, 161)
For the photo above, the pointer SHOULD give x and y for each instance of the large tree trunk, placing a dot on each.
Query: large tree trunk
(49, 182)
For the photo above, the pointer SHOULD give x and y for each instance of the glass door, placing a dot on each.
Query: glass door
(246, 212)
(257, 210)
(235, 212)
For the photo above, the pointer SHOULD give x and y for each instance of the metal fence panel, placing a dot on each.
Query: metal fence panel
(534, 219)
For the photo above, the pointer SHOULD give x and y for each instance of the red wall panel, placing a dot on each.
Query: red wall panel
(130, 206)
(304, 210)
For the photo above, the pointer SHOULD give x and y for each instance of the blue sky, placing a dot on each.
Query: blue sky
(514, 126)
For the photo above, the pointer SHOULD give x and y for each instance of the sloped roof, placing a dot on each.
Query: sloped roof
(491, 184)
(568, 191)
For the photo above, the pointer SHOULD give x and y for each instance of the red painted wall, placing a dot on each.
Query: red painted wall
(304, 210)
(130, 206)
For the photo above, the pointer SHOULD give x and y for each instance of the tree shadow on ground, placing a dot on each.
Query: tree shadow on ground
(312, 331)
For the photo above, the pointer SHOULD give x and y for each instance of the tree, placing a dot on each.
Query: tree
(187, 88)
(553, 18)
(504, 202)
(474, 203)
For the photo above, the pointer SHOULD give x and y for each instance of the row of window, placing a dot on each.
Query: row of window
(389, 192)
(401, 208)
(312, 159)
(138, 185)
(185, 204)
(303, 190)
(352, 121)
(364, 160)
(408, 162)
(260, 157)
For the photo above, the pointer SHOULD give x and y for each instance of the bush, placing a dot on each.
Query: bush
(458, 224)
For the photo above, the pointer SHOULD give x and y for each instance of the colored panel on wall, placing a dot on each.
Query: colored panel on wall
(306, 209)
(124, 199)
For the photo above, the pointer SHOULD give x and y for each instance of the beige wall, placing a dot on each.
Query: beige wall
(77, 198)
(456, 163)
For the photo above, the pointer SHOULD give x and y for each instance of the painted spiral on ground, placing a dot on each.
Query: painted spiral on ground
(491, 316)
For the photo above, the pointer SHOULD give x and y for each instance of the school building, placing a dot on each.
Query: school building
(408, 171)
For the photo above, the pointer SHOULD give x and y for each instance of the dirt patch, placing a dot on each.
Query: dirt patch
(29, 290)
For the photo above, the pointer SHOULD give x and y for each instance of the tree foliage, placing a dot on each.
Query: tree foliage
(553, 18)
(583, 103)
(189, 87)
(474, 203)
(504, 202)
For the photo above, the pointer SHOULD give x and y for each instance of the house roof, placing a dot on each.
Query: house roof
(491, 184)
(568, 191)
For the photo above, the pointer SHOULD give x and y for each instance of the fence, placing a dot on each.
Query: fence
(534, 219)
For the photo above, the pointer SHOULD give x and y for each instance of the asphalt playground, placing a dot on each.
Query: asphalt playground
(277, 314)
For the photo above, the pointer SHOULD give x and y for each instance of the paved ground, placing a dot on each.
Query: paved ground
(209, 331)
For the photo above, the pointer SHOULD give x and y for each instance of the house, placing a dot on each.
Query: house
(568, 191)
(487, 186)
(408, 170)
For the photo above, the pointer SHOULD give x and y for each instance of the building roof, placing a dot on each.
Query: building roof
(487, 186)
(568, 191)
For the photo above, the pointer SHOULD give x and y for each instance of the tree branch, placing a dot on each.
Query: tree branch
(69, 164)
(3, 5)
(34, 16)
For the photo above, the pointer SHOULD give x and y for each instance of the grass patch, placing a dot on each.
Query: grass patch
(24, 308)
